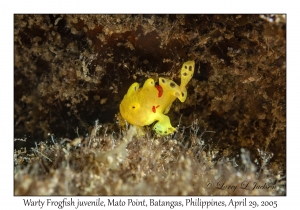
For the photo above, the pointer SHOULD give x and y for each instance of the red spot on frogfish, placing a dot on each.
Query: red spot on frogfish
(154, 108)
(160, 90)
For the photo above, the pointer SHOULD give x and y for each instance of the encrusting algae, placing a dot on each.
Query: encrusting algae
(143, 106)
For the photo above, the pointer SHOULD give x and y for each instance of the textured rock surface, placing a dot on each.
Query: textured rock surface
(71, 70)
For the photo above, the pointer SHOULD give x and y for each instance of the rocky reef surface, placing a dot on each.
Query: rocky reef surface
(72, 71)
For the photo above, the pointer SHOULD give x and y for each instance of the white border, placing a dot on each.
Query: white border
(140, 7)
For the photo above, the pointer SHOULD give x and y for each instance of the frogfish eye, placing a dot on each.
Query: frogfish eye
(134, 106)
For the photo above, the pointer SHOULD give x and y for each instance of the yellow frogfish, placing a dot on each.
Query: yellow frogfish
(143, 106)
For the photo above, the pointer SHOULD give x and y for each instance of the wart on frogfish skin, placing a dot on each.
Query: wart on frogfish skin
(161, 95)
(154, 108)
(159, 89)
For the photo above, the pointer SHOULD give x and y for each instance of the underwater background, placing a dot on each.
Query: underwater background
(71, 73)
